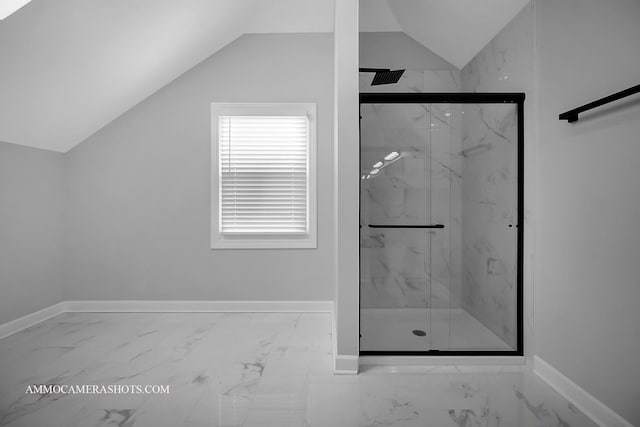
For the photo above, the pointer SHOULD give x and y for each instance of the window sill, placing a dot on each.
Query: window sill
(240, 243)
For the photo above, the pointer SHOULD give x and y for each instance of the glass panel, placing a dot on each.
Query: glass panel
(489, 234)
(451, 288)
(395, 262)
(445, 137)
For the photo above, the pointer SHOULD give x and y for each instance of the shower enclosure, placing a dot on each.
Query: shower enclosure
(441, 223)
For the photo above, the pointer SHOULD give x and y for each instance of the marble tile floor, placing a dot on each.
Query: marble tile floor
(247, 370)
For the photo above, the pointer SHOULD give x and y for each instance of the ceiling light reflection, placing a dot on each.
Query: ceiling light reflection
(392, 156)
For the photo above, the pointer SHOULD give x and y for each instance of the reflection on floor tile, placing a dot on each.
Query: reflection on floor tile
(247, 370)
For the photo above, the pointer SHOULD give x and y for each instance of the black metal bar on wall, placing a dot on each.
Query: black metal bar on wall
(470, 98)
(572, 115)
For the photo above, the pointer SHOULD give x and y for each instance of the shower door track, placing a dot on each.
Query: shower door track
(516, 98)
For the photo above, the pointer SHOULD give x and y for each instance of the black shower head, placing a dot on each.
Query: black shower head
(383, 76)
(386, 77)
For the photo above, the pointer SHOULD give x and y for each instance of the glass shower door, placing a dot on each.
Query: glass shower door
(404, 220)
(440, 213)
(445, 170)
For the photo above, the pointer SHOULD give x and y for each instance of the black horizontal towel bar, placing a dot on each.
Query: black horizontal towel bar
(406, 226)
(572, 115)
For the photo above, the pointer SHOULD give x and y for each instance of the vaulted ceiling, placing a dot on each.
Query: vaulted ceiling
(69, 67)
(456, 30)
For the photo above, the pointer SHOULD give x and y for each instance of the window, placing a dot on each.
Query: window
(264, 176)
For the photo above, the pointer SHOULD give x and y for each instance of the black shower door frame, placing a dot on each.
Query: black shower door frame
(516, 98)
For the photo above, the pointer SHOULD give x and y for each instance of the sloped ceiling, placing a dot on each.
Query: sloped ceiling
(456, 30)
(69, 67)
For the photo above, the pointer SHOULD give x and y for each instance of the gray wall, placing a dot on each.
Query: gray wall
(31, 229)
(397, 50)
(588, 271)
(139, 189)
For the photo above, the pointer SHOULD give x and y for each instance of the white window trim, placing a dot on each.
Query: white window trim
(256, 241)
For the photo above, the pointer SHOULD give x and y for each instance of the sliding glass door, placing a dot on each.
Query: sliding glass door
(440, 205)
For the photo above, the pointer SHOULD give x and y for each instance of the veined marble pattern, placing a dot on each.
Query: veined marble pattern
(247, 370)
(411, 267)
(424, 186)
(222, 369)
(504, 65)
(489, 216)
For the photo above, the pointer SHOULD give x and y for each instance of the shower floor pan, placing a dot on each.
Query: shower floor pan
(454, 329)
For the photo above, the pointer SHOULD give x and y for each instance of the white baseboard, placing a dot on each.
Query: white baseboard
(345, 364)
(342, 364)
(200, 306)
(31, 319)
(600, 413)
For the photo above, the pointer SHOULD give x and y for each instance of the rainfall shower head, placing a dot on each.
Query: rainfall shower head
(383, 76)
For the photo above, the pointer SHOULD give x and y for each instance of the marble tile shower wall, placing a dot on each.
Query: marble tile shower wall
(486, 285)
(506, 64)
(489, 203)
(412, 268)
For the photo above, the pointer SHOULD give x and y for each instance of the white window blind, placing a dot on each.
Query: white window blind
(263, 174)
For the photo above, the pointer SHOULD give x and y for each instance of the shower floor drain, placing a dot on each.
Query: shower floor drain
(419, 332)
